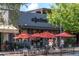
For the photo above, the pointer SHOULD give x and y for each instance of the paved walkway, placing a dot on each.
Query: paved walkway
(19, 53)
(73, 48)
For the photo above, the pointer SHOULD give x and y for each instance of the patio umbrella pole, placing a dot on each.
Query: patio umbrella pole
(56, 42)
(60, 39)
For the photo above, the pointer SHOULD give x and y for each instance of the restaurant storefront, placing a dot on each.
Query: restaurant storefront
(36, 23)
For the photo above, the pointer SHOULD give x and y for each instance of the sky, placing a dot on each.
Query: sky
(33, 6)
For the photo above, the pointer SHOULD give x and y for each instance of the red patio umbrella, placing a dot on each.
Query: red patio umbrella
(47, 35)
(64, 34)
(16, 37)
(36, 35)
(23, 36)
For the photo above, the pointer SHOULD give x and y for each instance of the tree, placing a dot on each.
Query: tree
(67, 15)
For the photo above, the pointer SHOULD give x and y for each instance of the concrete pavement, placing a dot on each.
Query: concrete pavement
(57, 51)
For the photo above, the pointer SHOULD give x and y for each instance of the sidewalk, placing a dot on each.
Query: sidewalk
(73, 48)
(57, 51)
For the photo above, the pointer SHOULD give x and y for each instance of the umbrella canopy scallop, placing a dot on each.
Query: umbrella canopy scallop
(23, 36)
(35, 35)
(47, 35)
(64, 34)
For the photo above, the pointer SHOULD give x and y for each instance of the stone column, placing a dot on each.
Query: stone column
(5, 37)
(56, 42)
(5, 15)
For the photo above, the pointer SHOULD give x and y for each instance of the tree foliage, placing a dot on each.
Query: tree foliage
(67, 15)
(70, 40)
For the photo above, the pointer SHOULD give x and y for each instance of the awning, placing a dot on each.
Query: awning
(8, 29)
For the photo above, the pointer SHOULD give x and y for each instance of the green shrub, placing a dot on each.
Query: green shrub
(70, 40)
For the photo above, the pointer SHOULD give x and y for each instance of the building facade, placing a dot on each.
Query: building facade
(35, 21)
(5, 27)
